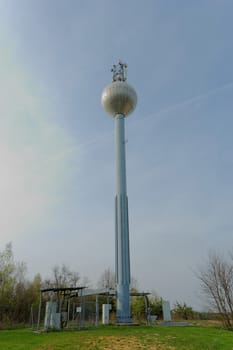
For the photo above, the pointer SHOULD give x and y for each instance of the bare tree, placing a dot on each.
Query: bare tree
(216, 278)
(134, 285)
(107, 279)
(64, 277)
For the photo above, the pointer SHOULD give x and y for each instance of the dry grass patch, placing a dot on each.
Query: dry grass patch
(126, 343)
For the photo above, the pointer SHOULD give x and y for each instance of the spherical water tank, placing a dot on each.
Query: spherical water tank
(119, 98)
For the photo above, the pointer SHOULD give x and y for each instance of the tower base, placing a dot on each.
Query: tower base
(124, 321)
(127, 324)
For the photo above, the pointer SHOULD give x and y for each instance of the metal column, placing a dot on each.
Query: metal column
(122, 253)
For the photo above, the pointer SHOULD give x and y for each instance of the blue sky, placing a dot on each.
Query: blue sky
(57, 144)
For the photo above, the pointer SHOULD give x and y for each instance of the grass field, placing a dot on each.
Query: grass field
(125, 338)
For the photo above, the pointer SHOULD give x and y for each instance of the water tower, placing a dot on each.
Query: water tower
(119, 100)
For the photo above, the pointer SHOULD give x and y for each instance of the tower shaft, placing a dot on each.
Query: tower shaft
(122, 254)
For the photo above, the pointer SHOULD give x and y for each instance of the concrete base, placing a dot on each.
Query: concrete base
(174, 324)
(127, 324)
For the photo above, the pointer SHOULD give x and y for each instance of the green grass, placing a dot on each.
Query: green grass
(132, 338)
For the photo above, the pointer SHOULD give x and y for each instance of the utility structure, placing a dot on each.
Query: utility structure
(119, 99)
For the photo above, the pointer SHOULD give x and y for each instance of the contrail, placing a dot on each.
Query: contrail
(96, 140)
(193, 99)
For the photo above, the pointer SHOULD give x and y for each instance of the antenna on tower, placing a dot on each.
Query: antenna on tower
(119, 71)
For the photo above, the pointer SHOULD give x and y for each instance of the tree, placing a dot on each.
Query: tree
(183, 311)
(7, 282)
(216, 278)
(134, 284)
(85, 282)
(138, 307)
(155, 304)
(13, 286)
(7, 269)
(64, 277)
(32, 294)
(107, 280)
